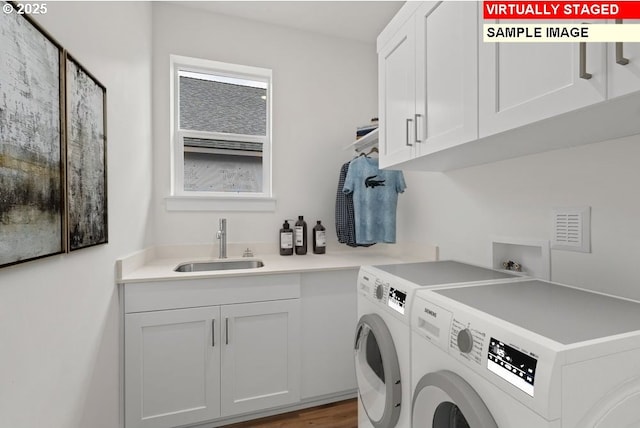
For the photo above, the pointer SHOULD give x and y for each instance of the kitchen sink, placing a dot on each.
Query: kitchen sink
(218, 265)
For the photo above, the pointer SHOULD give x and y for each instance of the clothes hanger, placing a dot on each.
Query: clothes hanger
(373, 150)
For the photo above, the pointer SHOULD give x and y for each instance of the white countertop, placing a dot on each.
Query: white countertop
(158, 263)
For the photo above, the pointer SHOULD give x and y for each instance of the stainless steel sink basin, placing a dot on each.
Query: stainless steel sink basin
(218, 265)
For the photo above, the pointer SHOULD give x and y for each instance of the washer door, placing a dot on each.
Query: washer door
(377, 372)
(444, 400)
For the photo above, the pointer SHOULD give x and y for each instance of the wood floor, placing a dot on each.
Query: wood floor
(343, 414)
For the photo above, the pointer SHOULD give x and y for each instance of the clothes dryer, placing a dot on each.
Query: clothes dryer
(382, 348)
(529, 354)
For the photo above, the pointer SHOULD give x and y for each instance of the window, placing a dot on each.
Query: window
(221, 129)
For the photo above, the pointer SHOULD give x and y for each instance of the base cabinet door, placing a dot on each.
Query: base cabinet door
(260, 365)
(172, 367)
(328, 302)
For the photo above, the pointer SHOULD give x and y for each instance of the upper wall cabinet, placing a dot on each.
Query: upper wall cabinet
(458, 101)
(623, 65)
(397, 89)
(428, 89)
(447, 84)
(526, 82)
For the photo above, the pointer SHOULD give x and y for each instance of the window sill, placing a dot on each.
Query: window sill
(209, 203)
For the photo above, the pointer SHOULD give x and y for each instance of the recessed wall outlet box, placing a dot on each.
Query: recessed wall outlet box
(572, 229)
(532, 255)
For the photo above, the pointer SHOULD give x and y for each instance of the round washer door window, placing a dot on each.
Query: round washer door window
(444, 400)
(377, 372)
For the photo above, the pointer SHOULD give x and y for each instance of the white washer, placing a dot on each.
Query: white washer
(529, 354)
(382, 353)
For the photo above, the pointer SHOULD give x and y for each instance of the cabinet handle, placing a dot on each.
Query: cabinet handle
(583, 62)
(620, 59)
(226, 328)
(213, 333)
(408, 123)
(417, 117)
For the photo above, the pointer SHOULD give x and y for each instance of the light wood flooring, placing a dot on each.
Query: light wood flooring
(343, 414)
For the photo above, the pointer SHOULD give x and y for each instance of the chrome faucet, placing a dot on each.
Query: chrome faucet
(222, 236)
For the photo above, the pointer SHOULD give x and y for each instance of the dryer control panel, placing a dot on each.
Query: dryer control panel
(397, 300)
(384, 292)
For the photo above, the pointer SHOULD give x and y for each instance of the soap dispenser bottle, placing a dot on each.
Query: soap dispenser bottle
(319, 239)
(301, 236)
(286, 240)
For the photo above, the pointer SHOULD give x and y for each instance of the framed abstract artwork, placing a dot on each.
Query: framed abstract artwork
(32, 167)
(86, 157)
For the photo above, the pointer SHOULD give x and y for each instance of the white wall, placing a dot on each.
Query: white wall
(323, 87)
(460, 210)
(59, 323)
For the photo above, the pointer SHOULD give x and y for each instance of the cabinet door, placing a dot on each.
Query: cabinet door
(329, 314)
(260, 355)
(172, 366)
(446, 75)
(624, 76)
(521, 83)
(396, 94)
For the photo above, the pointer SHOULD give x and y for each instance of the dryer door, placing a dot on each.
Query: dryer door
(444, 400)
(377, 371)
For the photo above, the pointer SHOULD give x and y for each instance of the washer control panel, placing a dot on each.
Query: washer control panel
(522, 364)
(516, 366)
(470, 342)
(467, 340)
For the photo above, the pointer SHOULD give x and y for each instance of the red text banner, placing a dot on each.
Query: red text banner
(561, 10)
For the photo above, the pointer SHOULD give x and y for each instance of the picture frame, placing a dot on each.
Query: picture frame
(86, 155)
(32, 156)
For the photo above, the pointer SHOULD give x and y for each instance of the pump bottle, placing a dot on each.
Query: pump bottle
(319, 239)
(301, 236)
(286, 240)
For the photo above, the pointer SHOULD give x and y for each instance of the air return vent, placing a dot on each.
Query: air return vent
(571, 229)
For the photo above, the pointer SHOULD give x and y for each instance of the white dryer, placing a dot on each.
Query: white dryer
(382, 351)
(529, 354)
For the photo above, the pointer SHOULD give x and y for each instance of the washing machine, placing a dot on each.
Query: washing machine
(382, 351)
(529, 354)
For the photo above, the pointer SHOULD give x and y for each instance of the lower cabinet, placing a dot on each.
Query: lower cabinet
(260, 356)
(329, 319)
(215, 351)
(191, 365)
(172, 367)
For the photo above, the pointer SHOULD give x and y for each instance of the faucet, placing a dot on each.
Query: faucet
(221, 234)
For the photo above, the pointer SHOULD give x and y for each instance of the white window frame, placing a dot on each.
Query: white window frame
(181, 199)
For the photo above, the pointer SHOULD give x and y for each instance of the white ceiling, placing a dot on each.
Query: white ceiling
(356, 20)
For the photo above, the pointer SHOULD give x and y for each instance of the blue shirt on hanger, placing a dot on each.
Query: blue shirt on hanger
(375, 198)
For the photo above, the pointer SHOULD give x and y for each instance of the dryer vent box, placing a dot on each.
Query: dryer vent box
(572, 229)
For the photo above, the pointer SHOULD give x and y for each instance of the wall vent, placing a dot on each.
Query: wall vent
(571, 229)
